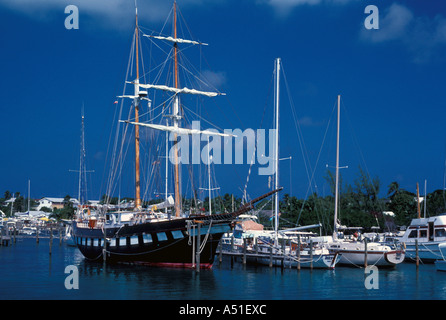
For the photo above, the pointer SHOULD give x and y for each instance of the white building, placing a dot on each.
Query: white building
(54, 203)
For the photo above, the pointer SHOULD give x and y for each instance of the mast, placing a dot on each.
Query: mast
(175, 128)
(167, 165)
(276, 155)
(425, 197)
(81, 153)
(337, 170)
(176, 119)
(82, 167)
(209, 189)
(136, 100)
(418, 202)
(82, 180)
(209, 180)
(29, 194)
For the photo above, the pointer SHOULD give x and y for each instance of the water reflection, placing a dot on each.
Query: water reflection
(29, 272)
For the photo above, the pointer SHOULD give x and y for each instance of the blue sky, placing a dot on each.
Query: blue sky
(391, 81)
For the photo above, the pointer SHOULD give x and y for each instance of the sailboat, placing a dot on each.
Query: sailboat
(357, 252)
(82, 207)
(309, 254)
(150, 236)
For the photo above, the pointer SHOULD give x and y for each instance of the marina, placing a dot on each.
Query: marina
(294, 222)
(45, 280)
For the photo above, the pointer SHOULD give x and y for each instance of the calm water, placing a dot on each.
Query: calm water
(27, 271)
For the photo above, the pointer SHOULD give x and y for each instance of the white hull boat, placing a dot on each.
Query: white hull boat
(354, 252)
(315, 256)
(320, 259)
(428, 233)
(441, 264)
(380, 255)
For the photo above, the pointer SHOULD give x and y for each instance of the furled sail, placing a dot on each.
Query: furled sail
(134, 97)
(180, 131)
(179, 90)
(128, 96)
(176, 40)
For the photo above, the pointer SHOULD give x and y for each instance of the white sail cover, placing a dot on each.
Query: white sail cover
(180, 131)
(128, 96)
(176, 40)
(134, 97)
(168, 203)
(179, 90)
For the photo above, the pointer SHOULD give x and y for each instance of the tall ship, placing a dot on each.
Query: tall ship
(162, 234)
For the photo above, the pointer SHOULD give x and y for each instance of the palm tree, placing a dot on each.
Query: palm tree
(394, 189)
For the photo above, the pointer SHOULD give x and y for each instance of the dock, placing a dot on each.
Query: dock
(275, 257)
(245, 255)
(5, 238)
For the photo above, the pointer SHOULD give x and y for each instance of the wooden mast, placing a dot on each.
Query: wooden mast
(176, 118)
(137, 166)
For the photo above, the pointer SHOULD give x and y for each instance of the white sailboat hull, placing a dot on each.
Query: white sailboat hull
(354, 254)
(379, 259)
(321, 258)
(321, 261)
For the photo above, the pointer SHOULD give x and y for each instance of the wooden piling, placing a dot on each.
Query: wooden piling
(257, 250)
(311, 254)
(232, 250)
(298, 252)
(4, 237)
(283, 256)
(365, 252)
(193, 245)
(104, 247)
(51, 239)
(198, 247)
(417, 258)
(270, 256)
(37, 234)
(220, 255)
(244, 250)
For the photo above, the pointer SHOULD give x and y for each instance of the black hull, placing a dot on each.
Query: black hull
(167, 243)
(163, 242)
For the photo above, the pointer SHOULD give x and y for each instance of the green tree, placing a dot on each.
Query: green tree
(67, 212)
(436, 203)
(404, 206)
(19, 203)
(8, 195)
(394, 188)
